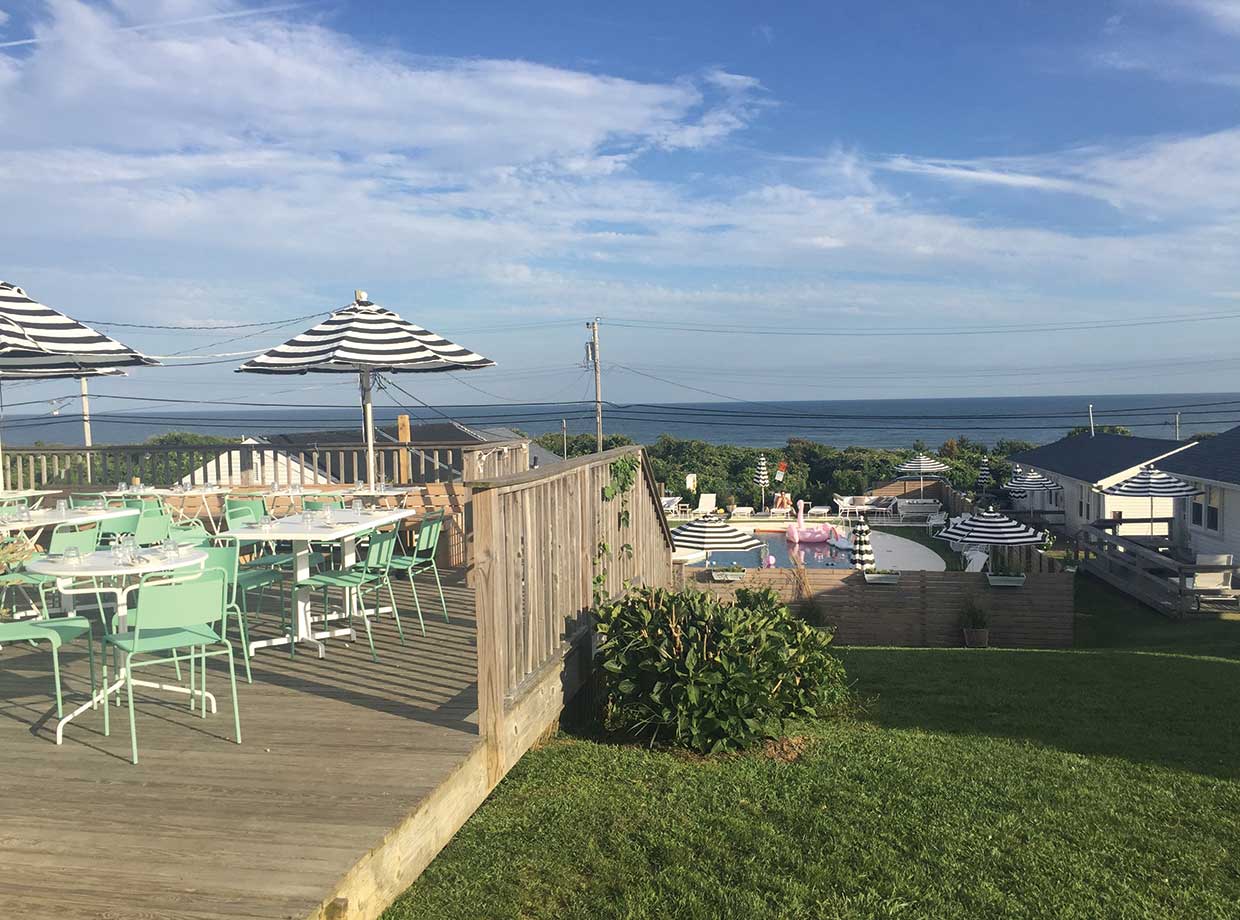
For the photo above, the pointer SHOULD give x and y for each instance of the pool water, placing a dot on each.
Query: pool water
(811, 555)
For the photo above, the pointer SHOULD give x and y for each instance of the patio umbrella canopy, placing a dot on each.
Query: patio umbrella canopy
(1031, 481)
(984, 480)
(761, 477)
(1152, 483)
(39, 343)
(713, 536)
(862, 552)
(990, 528)
(921, 465)
(365, 339)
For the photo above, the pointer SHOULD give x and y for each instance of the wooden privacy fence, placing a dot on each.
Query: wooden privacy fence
(536, 541)
(923, 610)
(243, 463)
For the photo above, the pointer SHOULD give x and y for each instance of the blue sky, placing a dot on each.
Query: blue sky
(501, 172)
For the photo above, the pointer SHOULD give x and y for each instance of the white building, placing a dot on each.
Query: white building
(1212, 519)
(1084, 465)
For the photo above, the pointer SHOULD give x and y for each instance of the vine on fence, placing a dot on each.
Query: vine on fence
(623, 475)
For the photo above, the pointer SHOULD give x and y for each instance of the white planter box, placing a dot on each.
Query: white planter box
(882, 578)
(726, 576)
(1005, 581)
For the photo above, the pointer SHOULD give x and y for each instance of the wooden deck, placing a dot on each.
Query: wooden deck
(336, 753)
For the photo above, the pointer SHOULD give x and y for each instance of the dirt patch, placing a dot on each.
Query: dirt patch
(786, 750)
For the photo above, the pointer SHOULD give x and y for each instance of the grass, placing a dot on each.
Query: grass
(1098, 782)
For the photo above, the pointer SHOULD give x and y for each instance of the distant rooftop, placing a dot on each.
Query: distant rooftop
(1093, 459)
(1216, 458)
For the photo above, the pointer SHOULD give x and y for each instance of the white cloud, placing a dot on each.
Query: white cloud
(1223, 13)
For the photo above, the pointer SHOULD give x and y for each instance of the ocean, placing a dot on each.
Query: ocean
(865, 423)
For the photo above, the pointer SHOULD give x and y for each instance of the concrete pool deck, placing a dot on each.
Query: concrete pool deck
(890, 551)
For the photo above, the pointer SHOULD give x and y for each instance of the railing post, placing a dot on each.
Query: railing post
(491, 668)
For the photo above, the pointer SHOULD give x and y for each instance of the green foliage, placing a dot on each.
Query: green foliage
(973, 615)
(1099, 429)
(580, 445)
(187, 439)
(690, 669)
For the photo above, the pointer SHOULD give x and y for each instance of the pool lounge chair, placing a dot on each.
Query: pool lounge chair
(707, 502)
(1213, 586)
(670, 503)
(819, 511)
(975, 560)
(936, 520)
(742, 511)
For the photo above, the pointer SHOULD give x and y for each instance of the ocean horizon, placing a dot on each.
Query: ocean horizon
(841, 423)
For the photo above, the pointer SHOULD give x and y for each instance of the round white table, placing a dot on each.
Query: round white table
(100, 564)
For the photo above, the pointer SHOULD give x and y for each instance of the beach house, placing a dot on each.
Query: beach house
(1211, 519)
(1084, 464)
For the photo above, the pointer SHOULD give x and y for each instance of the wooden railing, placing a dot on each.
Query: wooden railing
(537, 545)
(241, 464)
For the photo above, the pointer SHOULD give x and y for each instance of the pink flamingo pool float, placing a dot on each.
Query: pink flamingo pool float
(822, 533)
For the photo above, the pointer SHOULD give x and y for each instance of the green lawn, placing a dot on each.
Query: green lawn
(1099, 782)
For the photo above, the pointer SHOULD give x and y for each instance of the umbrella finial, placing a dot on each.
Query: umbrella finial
(361, 296)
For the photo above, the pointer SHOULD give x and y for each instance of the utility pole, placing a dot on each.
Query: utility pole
(598, 386)
(1177, 426)
(1091, 420)
(86, 438)
(564, 435)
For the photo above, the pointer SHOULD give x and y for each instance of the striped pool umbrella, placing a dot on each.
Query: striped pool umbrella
(39, 343)
(989, 528)
(921, 465)
(364, 339)
(984, 479)
(1030, 481)
(709, 535)
(862, 552)
(761, 477)
(1152, 483)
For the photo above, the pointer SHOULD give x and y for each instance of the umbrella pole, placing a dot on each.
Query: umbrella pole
(4, 485)
(368, 421)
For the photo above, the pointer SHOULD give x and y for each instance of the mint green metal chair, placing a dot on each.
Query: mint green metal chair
(318, 504)
(173, 615)
(85, 539)
(119, 526)
(55, 632)
(153, 527)
(426, 544)
(255, 503)
(190, 534)
(224, 554)
(371, 574)
(87, 499)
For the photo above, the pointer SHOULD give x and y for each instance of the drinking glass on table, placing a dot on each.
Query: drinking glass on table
(62, 506)
(266, 522)
(171, 548)
(73, 556)
(357, 506)
(327, 514)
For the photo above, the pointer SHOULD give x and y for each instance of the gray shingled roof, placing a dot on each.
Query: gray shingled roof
(1094, 459)
(1216, 458)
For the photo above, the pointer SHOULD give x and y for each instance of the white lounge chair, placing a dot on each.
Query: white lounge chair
(975, 561)
(819, 511)
(670, 504)
(1213, 584)
(707, 502)
(938, 519)
(742, 511)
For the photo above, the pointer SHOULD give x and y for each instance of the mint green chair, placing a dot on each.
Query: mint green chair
(371, 574)
(426, 544)
(318, 504)
(118, 526)
(173, 615)
(237, 518)
(255, 503)
(144, 504)
(153, 528)
(55, 632)
(190, 534)
(85, 539)
(224, 554)
(87, 499)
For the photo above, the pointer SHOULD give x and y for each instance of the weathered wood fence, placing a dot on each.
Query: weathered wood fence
(247, 463)
(538, 541)
(923, 610)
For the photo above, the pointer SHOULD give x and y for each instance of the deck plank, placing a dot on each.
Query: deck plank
(334, 754)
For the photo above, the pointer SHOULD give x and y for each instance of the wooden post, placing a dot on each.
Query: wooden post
(491, 667)
(402, 435)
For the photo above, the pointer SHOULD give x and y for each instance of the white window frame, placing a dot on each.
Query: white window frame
(1210, 493)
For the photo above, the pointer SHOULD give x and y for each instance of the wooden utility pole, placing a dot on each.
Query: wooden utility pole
(564, 435)
(598, 387)
(1091, 420)
(1177, 426)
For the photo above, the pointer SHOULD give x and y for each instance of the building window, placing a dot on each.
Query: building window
(1206, 509)
(1197, 510)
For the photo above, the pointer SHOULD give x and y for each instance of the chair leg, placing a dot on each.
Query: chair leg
(204, 679)
(395, 612)
(60, 707)
(357, 600)
(439, 586)
(90, 656)
(232, 680)
(245, 641)
(133, 728)
(417, 604)
(193, 677)
(107, 722)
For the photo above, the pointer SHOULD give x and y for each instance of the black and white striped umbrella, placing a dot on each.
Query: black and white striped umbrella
(761, 477)
(709, 535)
(39, 343)
(1152, 483)
(1030, 481)
(984, 479)
(989, 528)
(862, 552)
(364, 338)
(920, 465)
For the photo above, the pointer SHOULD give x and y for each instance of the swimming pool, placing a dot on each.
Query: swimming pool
(890, 552)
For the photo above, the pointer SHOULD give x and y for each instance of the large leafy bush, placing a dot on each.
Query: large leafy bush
(690, 669)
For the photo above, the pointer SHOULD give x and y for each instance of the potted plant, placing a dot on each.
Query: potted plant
(730, 503)
(975, 623)
(882, 577)
(1001, 574)
(733, 572)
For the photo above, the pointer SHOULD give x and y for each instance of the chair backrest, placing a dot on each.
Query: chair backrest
(152, 529)
(177, 603)
(255, 503)
(380, 551)
(1213, 579)
(318, 504)
(224, 553)
(427, 541)
(193, 533)
(84, 538)
(239, 516)
(87, 499)
(121, 524)
(706, 502)
(976, 561)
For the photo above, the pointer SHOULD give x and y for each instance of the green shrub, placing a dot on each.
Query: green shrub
(690, 669)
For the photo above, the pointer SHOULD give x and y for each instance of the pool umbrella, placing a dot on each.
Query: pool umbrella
(921, 465)
(1152, 483)
(1030, 481)
(39, 343)
(862, 552)
(709, 535)
(365, 339)
(984, 479)
(990, 528)
(761, 478)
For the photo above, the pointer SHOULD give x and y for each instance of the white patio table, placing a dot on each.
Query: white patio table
(301, 530)
(101, 565)
(16, 495)
(383, 493)
(203, 493)
(41, 518)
